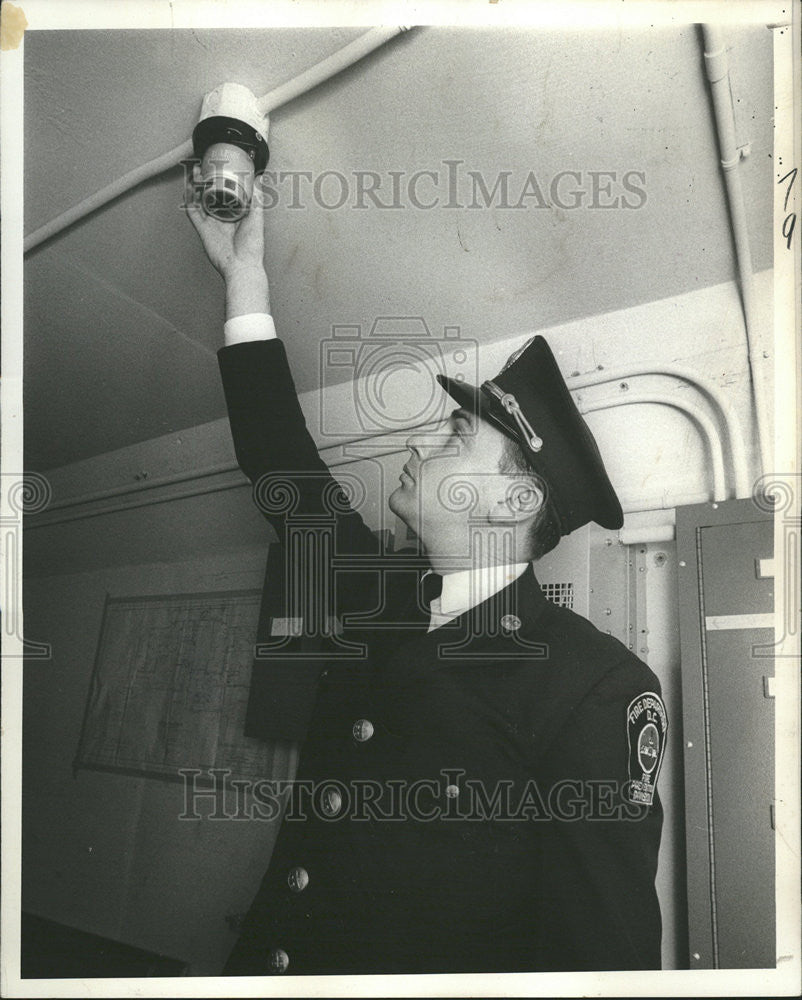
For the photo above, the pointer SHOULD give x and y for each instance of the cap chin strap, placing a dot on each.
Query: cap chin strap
(513, 407)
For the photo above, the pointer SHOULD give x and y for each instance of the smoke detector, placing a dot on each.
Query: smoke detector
(229, 140)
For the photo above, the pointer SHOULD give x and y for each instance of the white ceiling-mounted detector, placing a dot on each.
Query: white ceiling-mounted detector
(229, 140)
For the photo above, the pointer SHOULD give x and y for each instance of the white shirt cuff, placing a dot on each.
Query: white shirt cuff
(251, 326)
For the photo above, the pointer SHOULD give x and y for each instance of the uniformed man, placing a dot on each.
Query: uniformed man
(476, 788)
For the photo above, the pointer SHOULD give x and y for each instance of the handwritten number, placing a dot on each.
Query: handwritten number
(790, 220)
(788, 228)
(792, 175)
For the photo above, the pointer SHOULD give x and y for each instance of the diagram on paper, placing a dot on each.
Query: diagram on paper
(170, 687)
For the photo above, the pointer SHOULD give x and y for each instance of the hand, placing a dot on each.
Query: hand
(232, 247)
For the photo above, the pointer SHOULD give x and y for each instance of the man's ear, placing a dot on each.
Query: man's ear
(521, 500)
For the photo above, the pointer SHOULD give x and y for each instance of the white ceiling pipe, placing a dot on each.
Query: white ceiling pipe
(704, 422)
(718, 73)
(342, 59)
(106, 194)
(734, 437)
(324, 70)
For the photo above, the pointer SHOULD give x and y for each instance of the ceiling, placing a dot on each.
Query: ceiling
(123, 314)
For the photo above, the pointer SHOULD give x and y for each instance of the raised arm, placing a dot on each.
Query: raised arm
(273, 445)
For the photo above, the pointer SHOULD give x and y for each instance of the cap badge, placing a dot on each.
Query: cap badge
(513, 407)
(516, 354)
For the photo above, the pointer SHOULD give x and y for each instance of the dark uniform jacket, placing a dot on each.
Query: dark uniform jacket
(460, 803)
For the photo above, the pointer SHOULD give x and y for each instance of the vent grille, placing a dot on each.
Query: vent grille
(559, 593)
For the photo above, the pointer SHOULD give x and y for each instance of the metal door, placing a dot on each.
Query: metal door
(726, 602)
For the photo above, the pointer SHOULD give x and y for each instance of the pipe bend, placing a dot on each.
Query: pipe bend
(734, 435)
(704, 422)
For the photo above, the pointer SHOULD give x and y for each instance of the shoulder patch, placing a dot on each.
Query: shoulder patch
(647, 723)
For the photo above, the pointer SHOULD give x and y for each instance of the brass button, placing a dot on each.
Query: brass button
(298, 879)
(278, 960)
(510, 623)
(362, 730)
(332, 802)
(452, 791)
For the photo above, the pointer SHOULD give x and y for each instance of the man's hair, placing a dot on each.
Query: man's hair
(545, 531)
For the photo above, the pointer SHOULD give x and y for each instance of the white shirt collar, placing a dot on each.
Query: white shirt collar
(467, 588)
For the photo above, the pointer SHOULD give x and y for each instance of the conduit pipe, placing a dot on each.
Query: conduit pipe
(718, 73)
(324, 70)
(328, 68)
(702, 419)
(734, 436)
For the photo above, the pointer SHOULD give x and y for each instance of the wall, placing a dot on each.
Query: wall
(106, 852)
(125, 304)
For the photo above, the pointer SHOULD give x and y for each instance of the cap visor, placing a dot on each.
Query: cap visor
(467, 395)
(475, 401)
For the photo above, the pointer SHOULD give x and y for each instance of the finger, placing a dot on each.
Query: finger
(252, 225)
(258, 200)
(192, 195)
(192, 178)
(195, 212)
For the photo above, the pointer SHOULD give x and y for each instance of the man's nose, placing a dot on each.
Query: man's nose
(414, 444)
(421, 445)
